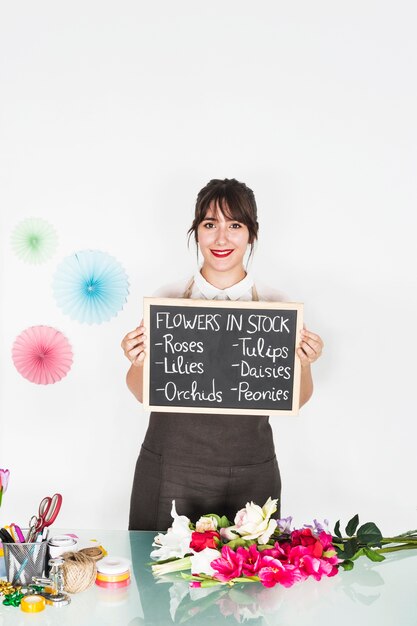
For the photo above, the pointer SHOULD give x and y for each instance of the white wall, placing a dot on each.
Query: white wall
(113, 116)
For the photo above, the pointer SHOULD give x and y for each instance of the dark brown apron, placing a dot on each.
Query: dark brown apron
(207, 463)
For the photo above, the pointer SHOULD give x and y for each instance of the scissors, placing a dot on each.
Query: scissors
(48, 511)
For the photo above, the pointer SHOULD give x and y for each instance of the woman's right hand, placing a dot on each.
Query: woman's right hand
(134, 345)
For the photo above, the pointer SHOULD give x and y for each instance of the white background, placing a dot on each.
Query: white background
(113, 116)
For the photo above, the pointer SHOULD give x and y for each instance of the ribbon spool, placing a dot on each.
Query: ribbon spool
(113, 566)
(79, 571)
(113, 579)
(113, 573)
(118, 585)
(32, 604)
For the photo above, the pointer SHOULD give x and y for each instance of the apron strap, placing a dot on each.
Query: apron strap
(188, 289)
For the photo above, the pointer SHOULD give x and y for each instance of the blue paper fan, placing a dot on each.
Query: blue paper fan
(90, 286)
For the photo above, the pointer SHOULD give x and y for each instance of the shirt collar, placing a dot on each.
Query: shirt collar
(235, 292)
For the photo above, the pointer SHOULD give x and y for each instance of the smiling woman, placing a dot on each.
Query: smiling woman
(210, 462)
(223, 227)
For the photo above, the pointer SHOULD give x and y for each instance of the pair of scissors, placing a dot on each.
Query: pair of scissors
(48, 511)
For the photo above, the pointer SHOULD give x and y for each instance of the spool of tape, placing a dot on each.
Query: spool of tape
(60, 544)
(113, 565)
(32, 604)
(105, 578)
(104, 585)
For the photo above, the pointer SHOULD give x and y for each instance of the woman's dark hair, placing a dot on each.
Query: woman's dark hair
(234, 199)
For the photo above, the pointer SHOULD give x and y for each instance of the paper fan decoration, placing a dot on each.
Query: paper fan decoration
(34, 240)
(42, 355)
(91, 286)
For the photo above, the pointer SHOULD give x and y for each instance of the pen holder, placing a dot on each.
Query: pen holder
(24, 560)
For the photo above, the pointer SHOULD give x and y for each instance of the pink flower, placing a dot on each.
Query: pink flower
(279, 551)
(229, 565)
(315, 556)
(195, 583)
(4, 481)
(310, 565)
(251, 560)
(274, 571)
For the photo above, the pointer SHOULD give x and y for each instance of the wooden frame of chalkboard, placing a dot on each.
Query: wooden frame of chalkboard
(222, 356)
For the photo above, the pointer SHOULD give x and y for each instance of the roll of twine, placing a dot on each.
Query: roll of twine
(79, 571)
(94, 553)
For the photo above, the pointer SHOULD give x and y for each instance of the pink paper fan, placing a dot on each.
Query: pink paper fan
(42, 354)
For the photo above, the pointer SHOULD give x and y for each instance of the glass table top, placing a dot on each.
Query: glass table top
(384, 594)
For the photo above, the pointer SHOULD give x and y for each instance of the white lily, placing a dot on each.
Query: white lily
(201, 561)
(176, 542)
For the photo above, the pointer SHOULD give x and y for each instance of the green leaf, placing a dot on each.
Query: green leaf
(235, 543)
(340, 551)
(373, 555)
(347, 565)
(337, 530)
(369, 534)
(210, 583)
(352, 526)
(357, 554)
(351, 547)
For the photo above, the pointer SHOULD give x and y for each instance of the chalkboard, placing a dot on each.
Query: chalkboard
(217, 356)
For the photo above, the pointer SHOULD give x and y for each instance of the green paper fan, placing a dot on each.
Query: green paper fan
(34, 240)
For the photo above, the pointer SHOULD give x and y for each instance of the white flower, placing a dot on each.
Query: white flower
(227, 535)
(253, 522)
(200, 561)
(176, 542)
(206, 523)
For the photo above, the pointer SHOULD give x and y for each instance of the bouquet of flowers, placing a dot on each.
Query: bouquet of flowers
(259, 548)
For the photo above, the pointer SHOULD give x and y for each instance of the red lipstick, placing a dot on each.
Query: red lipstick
(221, 254)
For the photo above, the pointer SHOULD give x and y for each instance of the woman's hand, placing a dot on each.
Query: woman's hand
(134, 345)
(310, 347)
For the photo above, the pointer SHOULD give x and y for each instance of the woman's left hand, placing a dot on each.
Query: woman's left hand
(310, 347)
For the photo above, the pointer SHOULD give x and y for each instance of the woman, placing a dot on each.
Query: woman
(210, 463)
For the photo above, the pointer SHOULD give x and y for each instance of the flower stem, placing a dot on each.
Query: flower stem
(172, 566)
(399, 539)
(396, 548)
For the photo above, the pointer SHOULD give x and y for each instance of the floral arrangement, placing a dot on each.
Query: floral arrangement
(259, 548)
(4, 481)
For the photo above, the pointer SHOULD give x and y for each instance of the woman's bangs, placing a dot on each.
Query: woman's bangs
(227, 204)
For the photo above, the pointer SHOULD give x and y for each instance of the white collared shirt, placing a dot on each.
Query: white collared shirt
(203, 290)
(206, 291)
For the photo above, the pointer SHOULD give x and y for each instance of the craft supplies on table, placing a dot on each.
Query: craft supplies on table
(24, 560)
(32, 604)
(113, 573)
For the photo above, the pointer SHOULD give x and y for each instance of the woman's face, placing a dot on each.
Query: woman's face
(223, 241)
